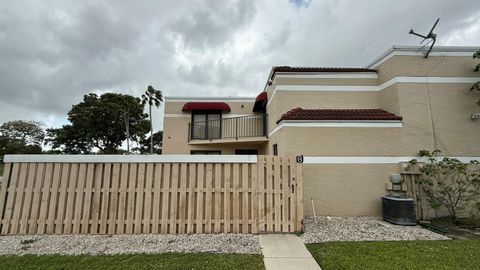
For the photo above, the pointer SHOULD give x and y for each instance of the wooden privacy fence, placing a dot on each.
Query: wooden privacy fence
(150, 194)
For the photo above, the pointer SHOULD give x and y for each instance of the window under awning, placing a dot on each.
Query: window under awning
(206, 106)
(260, 102)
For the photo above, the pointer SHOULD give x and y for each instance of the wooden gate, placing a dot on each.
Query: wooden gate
(150, 194)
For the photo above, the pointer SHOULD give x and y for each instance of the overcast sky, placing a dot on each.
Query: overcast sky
(54, 52)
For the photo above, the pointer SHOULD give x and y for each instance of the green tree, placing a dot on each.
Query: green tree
(152, 97)
(97, 122)
(449, 183)
(144, 144)
(476, 86)
(21, 137)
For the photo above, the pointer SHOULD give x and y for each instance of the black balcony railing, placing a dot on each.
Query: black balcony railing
(229, 128)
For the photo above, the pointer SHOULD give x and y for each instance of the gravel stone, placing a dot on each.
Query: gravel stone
(328, 229)
(128, 244)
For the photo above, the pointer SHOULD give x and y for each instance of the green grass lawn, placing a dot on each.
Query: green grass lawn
(137, 261)
(449, 254)
(1, 169)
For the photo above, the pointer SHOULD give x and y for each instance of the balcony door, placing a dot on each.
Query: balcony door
(206, 125)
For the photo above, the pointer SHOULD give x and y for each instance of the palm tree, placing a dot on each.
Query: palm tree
(152, 97)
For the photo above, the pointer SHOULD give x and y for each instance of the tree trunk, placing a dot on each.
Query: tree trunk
(151, 131)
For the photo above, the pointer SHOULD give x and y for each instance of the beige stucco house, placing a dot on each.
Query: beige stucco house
(354, 126)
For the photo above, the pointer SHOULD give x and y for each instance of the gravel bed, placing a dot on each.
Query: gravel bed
(362, 229)
(128, 244)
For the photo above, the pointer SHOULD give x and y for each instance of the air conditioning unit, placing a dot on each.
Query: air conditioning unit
(399, 210)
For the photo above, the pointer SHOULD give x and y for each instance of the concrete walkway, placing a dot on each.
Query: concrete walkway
(286, 251)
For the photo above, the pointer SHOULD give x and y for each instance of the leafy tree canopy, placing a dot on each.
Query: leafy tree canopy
(450, 183)
(98, 122)
(144, 144)
(27, 132)
(21, 137)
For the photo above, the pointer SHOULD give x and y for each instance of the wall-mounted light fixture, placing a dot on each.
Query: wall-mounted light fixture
(475, 116)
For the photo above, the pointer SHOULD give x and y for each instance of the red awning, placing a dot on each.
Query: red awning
(206, 106)
(260, 102)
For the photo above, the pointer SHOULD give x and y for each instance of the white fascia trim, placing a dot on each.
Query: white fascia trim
(370, 88)
(371, 160)
(232, 115)
(210, 99)
(132, 158)
(417, 51)
(363, 88)
(327, 75)
(186, 115)
(337, 124)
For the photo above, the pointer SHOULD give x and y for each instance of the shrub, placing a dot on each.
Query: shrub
(449, 183)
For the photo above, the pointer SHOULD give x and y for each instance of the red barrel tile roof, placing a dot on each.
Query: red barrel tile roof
(321, 69)
(338, 114)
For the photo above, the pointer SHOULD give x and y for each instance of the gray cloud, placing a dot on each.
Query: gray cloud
(207, 26)
(54, 52)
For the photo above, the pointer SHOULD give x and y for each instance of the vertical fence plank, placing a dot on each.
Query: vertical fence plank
(3, 189)
(122, 200)
(79, 195)
(244, 198)
(25, 215)
(299, 206)
(182, 204)
(157, 181)
(18, 202)
(60, 217)
(236, 203)
(165, 197)
(70, 204)
(53, 198)
(261, 162)
(270, 194)
(174, 197)
(208, 203)
(139, 199)
(97, 195)
(218, 197)
(147, 209)
(47, 182)
(105, 197)
(37, 195)
(227, 198)
(87, 201)
(191, 197)
(113, 205)
(7, 173)
(293, 173)
(10, 198)
(255, 191)
(277, 193)
(200, 196)
(132, 182)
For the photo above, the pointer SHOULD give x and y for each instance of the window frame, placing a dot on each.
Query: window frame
(206, 113)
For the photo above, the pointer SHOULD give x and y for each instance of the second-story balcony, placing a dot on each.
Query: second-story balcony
(243, 128)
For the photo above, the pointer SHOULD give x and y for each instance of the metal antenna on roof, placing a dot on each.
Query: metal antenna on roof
(431, 36)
